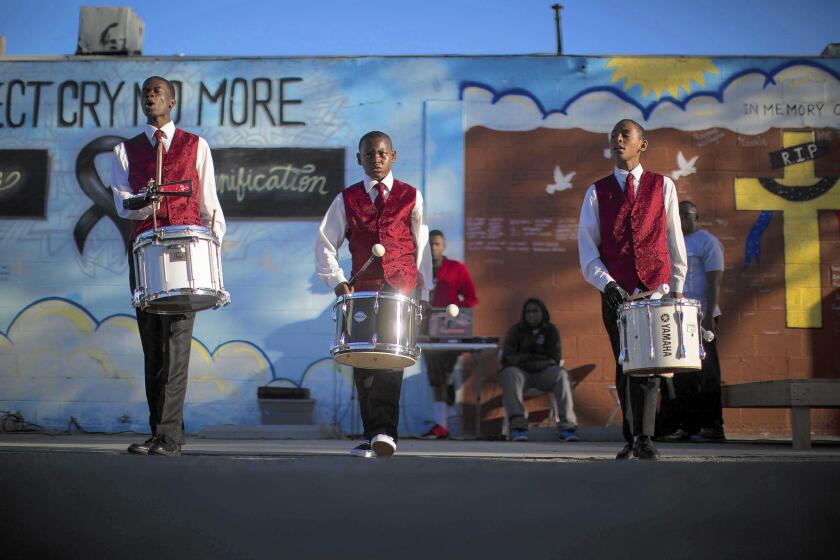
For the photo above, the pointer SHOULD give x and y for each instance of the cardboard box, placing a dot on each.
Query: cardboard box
(441, 325)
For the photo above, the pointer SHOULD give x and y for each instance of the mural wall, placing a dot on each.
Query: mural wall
(503, 149)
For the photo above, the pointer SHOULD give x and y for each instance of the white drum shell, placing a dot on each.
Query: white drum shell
(177, 270)
(660, 336)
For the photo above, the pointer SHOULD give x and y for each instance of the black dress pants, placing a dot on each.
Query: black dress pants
(166, 341)
(379, 400)
(696, 403)
(710, 405)
(637, 394)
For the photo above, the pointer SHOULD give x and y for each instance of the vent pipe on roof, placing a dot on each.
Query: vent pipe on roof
(557, 8)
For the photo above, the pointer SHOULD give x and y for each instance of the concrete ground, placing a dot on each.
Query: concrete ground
(83, 496)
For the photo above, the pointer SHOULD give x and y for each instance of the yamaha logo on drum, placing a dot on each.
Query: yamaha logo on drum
(359, 316)
(667, 349)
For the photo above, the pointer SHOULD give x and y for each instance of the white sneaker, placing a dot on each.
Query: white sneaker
(383, 445)
(362, 450)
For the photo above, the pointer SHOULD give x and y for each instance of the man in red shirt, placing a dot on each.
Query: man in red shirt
(453, 284)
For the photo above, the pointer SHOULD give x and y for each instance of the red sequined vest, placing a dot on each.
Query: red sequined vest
(178, 163)
(365, 227)
(634, 244)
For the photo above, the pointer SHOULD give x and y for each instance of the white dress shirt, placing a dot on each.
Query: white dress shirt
(208, 201)
(333, 230)
(589, 234)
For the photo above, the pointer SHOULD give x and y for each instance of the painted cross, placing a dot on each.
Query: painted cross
(799, 195)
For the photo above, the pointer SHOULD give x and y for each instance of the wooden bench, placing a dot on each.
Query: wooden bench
(800, 395)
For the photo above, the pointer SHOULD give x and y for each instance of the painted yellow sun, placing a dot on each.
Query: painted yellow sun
(661, 75)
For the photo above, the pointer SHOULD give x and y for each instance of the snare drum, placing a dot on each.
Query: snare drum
(658, 336)
(178, 269)
(375, 330)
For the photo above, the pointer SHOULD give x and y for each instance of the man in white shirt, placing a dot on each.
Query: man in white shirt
(378, 209)
(629, 239)
(166, 339)
(696, 412)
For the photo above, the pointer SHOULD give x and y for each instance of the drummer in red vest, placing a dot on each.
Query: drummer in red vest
(629, 239)
(453, 285)
(378, 209)
(166, 339)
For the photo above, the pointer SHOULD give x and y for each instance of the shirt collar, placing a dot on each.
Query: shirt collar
(621, 175)
(388, 181)
(168, 132)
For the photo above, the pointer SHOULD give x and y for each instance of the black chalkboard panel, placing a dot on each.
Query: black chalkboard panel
(273, 183)
(24, 178)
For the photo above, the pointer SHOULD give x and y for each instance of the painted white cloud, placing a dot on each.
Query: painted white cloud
(54, 352)
(801, 96)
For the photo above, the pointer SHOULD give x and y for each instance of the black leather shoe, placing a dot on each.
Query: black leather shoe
(645, 449)
(163, 447)
(625, 453)
(141, 448)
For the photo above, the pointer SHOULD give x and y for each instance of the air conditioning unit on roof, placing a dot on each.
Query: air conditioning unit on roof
(110, 30)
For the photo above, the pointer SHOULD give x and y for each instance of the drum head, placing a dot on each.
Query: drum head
(374, 360)
(183, 303)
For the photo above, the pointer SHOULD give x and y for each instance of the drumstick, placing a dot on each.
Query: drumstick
(377, 251)
(662, 290)
(452, 310)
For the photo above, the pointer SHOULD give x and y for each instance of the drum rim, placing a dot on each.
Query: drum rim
(373, 295)
(642, 303)
(175, 232)
(649, 371)
(221, 295)
(385, 347)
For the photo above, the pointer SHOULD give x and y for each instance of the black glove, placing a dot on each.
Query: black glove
(615, 294)
(138, 202)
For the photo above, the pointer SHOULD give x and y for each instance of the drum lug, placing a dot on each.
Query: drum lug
(342, 339)
(650, 333)
(678, 317)
(374, 339)
(623, 355)
(376, 305)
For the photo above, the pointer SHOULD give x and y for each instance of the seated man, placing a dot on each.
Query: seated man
(531, 358)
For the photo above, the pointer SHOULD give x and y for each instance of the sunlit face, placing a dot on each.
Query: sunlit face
(533, 315)
(157, 99)
(438, 245)
(376, 156)
(688, 218)
(626, 142)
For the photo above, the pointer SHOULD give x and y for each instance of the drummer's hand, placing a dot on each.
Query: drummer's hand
(343, 289)
(677, 295)
(138, 201)
(615, 294)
